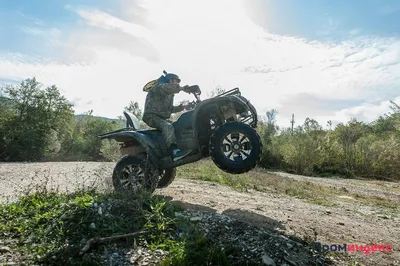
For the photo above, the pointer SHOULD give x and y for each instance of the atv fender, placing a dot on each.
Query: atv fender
(130, 139)
(239, 103)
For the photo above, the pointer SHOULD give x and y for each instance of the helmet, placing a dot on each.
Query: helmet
(167, 77)
(172, 76)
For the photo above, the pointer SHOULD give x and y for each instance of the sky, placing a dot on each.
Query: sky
(327, 60)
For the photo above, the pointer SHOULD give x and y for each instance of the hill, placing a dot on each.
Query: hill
(8, 102)
(101, 117)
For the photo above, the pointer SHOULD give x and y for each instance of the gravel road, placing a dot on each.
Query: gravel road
(350, 222)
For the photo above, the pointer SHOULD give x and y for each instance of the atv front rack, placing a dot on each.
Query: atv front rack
(234, 91)
(250, 116)
(247, 117)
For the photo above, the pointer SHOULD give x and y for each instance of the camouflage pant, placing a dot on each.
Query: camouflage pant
(166, 128)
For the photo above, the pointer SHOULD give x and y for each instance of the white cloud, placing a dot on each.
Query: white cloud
(33, 20)
(103, 20)
(47, 33)
(108, 59)
(366, 112)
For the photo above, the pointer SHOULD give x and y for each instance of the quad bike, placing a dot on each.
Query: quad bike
(222, 127)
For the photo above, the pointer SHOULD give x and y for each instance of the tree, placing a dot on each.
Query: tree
(133, 107)
(82, 142)
(216, 91)
(329, 124)
(32, 118)
(269, 129)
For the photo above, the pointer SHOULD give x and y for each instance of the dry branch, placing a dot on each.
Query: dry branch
(96, 240)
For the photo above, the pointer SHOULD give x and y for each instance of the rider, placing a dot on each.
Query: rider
(159, 106)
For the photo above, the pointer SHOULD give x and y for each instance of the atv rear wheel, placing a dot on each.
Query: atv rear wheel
(167, 176)
(235, 147)
(130, 175)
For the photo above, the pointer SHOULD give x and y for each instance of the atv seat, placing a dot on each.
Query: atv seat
(154, 130)
(150, 131)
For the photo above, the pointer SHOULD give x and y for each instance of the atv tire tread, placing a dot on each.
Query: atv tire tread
(165, 181)
(131, 159)
(218, 158)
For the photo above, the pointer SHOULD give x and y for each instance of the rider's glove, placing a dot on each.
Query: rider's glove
(184, 88)
(179, 108)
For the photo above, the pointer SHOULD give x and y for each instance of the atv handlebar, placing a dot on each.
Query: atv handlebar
(192, 89)
(195, 90)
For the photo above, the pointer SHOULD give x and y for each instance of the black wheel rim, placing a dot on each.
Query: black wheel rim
(236, 147)
(132, 177)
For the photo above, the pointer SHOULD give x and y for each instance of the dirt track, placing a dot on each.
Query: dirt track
(350, 222)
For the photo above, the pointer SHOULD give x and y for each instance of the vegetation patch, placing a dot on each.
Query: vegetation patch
(323, 203)
(52, 229)
(376, 201)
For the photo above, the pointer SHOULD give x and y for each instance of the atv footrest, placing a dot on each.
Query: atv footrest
(166, 160)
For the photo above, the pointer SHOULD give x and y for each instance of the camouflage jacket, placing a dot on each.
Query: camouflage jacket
(160, 101)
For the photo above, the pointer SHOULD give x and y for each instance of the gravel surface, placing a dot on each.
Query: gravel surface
(257, 222)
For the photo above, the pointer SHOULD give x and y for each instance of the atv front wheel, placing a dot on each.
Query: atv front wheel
(235, 147)
(130, 175)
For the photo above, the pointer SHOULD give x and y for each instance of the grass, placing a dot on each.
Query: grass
(50, 228)
(376, 201)
(265, 181)
(323, 203)
(383, 186)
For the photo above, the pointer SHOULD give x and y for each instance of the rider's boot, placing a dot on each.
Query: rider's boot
(177, 154)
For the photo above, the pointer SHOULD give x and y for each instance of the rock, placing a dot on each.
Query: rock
(268, 261)
(4, 249)
(289, 245)
(340, 223)
(328, 212)
(286, 253)
(290, 261)
(92, 226)
(179, 214)
(100, 211)
(196, 219)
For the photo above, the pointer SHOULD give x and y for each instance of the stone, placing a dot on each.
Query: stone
(4, 249)
(268, 261)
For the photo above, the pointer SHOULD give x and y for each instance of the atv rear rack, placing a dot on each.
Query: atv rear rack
(115, 131)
